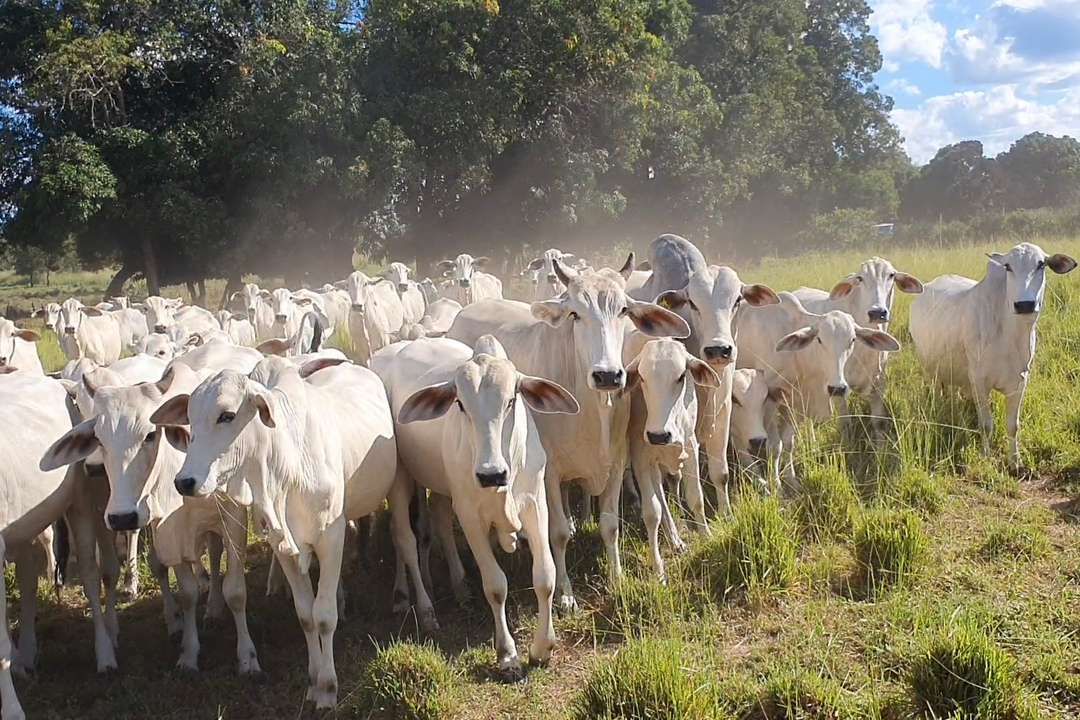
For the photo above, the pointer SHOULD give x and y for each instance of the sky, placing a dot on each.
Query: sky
(989, 70)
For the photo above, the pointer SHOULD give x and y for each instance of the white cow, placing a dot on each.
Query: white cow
(429, 289)
(132, 324)
(156, 345)
(89, 332)
(547, 284)
(114, 303)
(469, 283)
(18, 348)
(162, 314)
(867, 296)
(315, 453)
(980, 336)
(238, 327)
(439, 316)
(288, 308)
(258, 310)
(803, 354)
(51, 315)
(663, 420)
(376, 313)
(141, 468)
(413, 298)
(219, 355)
(577, 342)
(308, 340)
(753, 421)
(335, 306)
(490, 465)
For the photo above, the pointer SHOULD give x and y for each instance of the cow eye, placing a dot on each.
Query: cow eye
(510, 405)
(624, 311)
(682, 378)
(1041, 265)
(460, 406)
(738, 300)
(226, 417)
(1008, 267)
(151, 437)
(892, 276)
(574, 315)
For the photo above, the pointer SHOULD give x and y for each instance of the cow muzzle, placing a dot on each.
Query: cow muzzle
(186, 486)
(357, 308)
(660, 438)
(878, 315)
(1025, 307)
(123, 522)
(280, 318)
(402, 287)
(609, 379)
(758, 446)
(159, 329)
(838, 391)
(464, 282)
(69, 330)
(718, 354)
(495, 479)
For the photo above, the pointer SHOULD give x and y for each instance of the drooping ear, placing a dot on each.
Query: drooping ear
(797, 340)
(1061, 263)
(178, 437)
(8, 369)
(70, 386)
(843, 288)
(274, 346)
(655, 321)
(760, 295)
(91, 311)
(703, 375)
(878, 340)
(173, 411)
(644, 265)
(673, 299)
(38, 313)
(445, 264)
(536, 264)
(264, 404)
(166, 380)
(633, 376)
(908, 283)
(342, 284)
(553, 312)
(27, 335)
(547, 397)
(481, 261)
(314, 366)
(428, 403)
(777, 394)
(266, 294)
(628, 267)
(997, 258)
(74, 445)
(303, 301)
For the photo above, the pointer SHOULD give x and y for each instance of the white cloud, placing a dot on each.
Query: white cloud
(902, 85)
(997, 117)
(905, 31)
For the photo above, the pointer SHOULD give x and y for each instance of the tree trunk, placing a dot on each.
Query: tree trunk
(116, 285)
(232, 285)
(201, 284)
(192, 297)
(151, 271)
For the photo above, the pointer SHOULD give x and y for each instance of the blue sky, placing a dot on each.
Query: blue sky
(989, 70)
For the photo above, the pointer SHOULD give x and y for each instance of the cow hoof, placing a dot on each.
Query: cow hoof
(513, 673)
(567, 605)
(254, 677)
(185, 670)
(428, 623)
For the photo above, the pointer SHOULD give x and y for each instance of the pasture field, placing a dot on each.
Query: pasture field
(921, 581)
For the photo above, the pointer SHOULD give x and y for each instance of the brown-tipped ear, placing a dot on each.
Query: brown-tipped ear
(877, 339)
(759, 295)
(536, 264)
(173, 411)
(166, 380)
(1060, 263)
(91, 311)
(633, 377)
(655, 321)
(777, 394)
(274, 346)
(178, 437)
(428, 403)
(74, 445)
(628, 266)
(644, 265)
(313, 366)
(797, 340)
(553, 312)
(7, 369)
(70, 386)
(843, 288)
(547, 397)
(908, 283)
(703, 375)
(673, 299)
(264, 403)
(27, 335)
(481, 261)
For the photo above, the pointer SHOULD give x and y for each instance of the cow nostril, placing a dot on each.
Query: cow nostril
(718, 352)
(464, 282)
(662, 438)
(757, 446)
(403, 287)
(185, 486)
(122, 522)
(492, 479)
(838, 390)
(608, 379)
(69, 330)
(879, 315)
(1024, 307)
(553, 278)
(159, 328)
(280, 318)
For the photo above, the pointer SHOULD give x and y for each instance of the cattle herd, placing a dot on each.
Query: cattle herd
(457, 404)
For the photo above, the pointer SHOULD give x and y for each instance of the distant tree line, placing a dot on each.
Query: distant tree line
(183, 140)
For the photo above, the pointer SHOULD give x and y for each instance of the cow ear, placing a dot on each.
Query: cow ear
(797, 340)
(445, 264)
(553, 312)
(266, 295)
(544, 396)
(655, 321)
(1060, 263)
(481, 262)
(633, 377)
(908, 283)
(997, 258)
(673, 299)
(274, 346)
(703, 375)
(264, 405)
(178, 437)
(342, 284)
(27, 335)
(141, 307)
(92, 311)
(74, 445)
(777, 394)
(173, 411)
(313, 366)
(843, 288)
(302, 301)
(877, 339)
(644, 265)
(428, 403)
(536, 264)
(628, 267)
(759, 295)
(70, 386)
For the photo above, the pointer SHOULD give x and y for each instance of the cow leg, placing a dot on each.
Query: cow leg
(981, 395)
(879, 414)
(609, 520)
(442, 517)
(10, 709)
(564, 494)
(215, 599)
(559, 527)
(401, 499)
(787, 452)
(276, 583)
(691, 486)
(477, 533)
(303, 601)
(534, 522)
(129, 543)
(189, 600)
(26, 574)
(174, 621)
(649, 481)
(324, 612)
(1013, 401)
(81, 523)
(234, 587)
(667, 520)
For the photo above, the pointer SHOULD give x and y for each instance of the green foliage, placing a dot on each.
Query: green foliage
(1012, 539)
(648, 678)
(827, 504)
(889, 547)
(411, 682)
(841, 228)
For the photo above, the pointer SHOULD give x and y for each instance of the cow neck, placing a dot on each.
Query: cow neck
(992, 293)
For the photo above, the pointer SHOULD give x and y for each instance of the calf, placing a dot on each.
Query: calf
(980, 336)
(89, 332)
(490, 465)
(753, 422)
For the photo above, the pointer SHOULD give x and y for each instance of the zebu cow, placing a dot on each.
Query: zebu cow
(439, 316)
(259, 312)
(867, 296)
(413, 300)
(980, 336)
(376, 313)
(577, 342)
(18, 348)
(288, 308)
(51, 315)
(238, 327)
(469, 283)
(547, 285)
(315, 453)
(162, 314)
(804, 355)
(490, 465)
(88, 332)
(754, 407)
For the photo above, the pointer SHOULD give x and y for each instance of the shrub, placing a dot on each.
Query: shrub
(826, 506)
(888, 546)
(963, 673)
(646, 678)
(410, 682)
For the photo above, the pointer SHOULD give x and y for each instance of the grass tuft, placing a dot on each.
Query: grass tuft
(889, 545)
(410, 682)
(826, 506)
(1012, 540)
(799, 694)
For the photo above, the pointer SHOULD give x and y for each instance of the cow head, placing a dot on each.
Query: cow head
(284, 305)
(1025, 270)
(160, 312)
(10, 335)
(752, 401)
(51, 314)
(545, 267)
(72, 314)
(398, 274)
(463, 268)
(663, 371)
(869, 292)
(248, 299)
